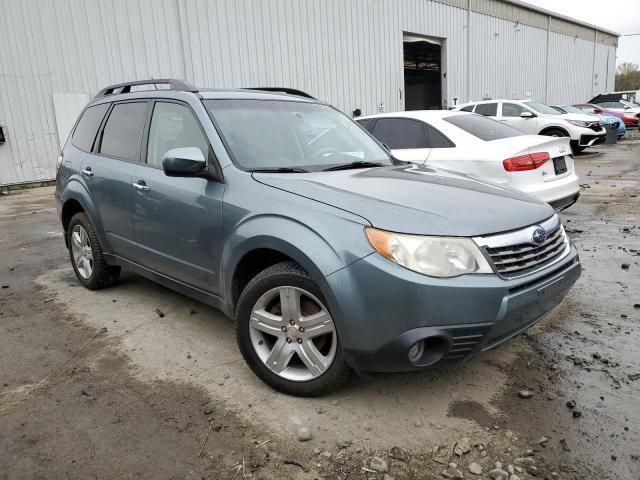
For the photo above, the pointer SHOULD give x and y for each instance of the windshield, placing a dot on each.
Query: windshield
(629, 103)
(285, 135)
(571, 109)
(482, 127)
(542, 108)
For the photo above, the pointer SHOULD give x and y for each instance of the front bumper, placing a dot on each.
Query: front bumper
(589, 140)
(383, 309)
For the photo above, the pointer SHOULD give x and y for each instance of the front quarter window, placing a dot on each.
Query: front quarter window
(282, 134)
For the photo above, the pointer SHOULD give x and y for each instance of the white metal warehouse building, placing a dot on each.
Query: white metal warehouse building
(356, 54)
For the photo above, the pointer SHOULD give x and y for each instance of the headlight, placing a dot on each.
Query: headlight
(578, 123)
(432, 256)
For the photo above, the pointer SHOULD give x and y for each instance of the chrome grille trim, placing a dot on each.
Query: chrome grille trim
(513, 254)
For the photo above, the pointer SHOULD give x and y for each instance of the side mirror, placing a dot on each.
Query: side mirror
(527, 114)
(183, 162)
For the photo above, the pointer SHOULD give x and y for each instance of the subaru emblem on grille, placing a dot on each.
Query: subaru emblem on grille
(538, 236)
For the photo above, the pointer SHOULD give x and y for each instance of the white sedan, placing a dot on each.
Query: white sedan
(481, 147)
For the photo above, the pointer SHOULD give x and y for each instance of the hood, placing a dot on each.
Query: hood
(582, 117)
(417, 199)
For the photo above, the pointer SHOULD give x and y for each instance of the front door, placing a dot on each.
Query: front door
(510, 114)
(178, 220)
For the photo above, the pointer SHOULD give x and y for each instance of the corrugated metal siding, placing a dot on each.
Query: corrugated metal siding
(346, 52)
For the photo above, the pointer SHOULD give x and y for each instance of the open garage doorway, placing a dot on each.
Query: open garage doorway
(422, 72)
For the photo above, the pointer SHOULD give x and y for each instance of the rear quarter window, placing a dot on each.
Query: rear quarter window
(468, 108)
(85, 133)
(487, 109)
(484, 128)
(366, 123)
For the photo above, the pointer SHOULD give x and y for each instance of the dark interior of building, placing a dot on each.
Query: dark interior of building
(422, 75)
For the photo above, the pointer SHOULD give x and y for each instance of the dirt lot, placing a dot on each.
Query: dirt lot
(98, 385)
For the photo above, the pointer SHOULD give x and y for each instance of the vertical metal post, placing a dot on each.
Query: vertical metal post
(546, 61)
(468, 89)
(593, 66)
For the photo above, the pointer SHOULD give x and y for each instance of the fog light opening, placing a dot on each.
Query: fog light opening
(416, 351)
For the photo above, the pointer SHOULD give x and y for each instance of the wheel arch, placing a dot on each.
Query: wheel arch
(547, 129)
(259, 253)
(76, 199)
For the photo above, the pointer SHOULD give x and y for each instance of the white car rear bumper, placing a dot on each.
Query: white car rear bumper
(559, 193)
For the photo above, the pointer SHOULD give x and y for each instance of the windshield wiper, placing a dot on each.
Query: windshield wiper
(279, 170)
(358, 164)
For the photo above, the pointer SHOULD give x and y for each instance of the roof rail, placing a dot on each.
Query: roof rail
(288, 91)
(125, 87)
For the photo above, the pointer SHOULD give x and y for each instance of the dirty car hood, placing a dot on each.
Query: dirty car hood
(417, 199)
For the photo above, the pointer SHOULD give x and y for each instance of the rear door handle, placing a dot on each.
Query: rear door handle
(87, 172)
(141, 186)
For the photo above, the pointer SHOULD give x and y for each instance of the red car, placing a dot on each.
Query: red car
(629, 119)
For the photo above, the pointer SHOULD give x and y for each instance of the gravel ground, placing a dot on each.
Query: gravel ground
(98, 385)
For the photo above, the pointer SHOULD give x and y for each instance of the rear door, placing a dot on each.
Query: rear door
(510, 114)
(178, 220)
(107, 171)
(406, 137)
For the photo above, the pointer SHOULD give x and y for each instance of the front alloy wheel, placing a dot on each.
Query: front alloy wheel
(293, 333)
(287, 334)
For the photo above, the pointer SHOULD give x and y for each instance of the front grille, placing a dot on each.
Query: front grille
(595, 126)
(515, 254)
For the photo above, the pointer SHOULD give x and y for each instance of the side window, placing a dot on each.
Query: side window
(512, 110)
(121, 133)
(173, 126)
(487, 109)
(85, 132)
(468, 108)
(612, 104)
(438, 139)
(399, 133)
(366, 123)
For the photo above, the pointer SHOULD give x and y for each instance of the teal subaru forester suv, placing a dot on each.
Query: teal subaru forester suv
(330, 255)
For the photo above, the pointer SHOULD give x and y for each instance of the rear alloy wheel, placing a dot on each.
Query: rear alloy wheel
(81, 251)
(287, 334)
(86, 255)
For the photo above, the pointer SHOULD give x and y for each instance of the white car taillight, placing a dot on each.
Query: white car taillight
(530, 161)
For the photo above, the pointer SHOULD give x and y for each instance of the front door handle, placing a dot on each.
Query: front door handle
(141, 186)
(87, 172)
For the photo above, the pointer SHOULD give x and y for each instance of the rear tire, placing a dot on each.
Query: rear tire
(286, 334)
(86, 255)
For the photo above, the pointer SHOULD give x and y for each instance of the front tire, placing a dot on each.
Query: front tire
(86, 255)
(555, 132)
(287, 335)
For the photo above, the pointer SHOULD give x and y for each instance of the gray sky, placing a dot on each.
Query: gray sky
(622, 16)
